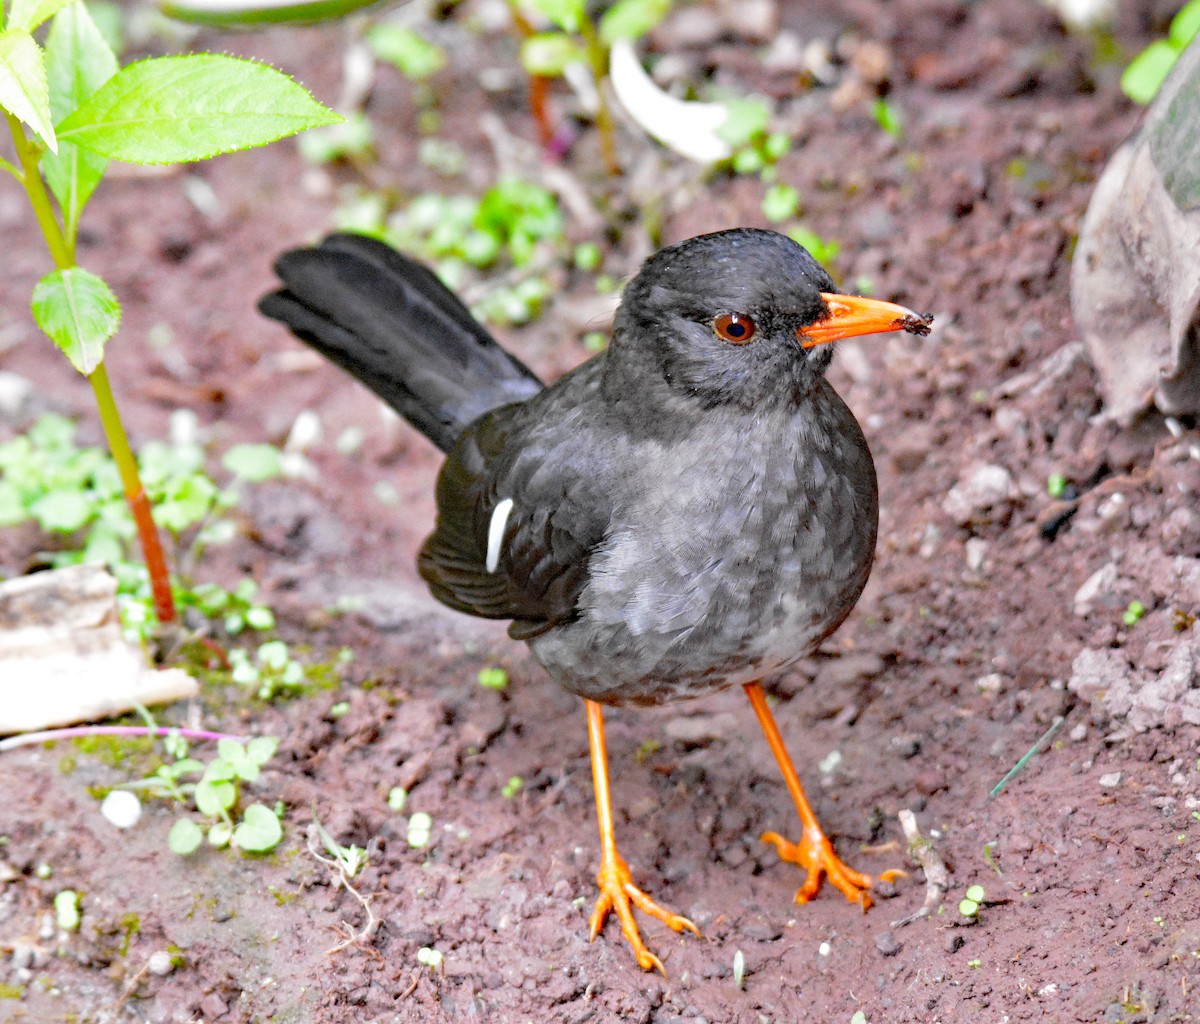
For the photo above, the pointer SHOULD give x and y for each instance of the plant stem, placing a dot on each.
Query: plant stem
(74, 732)
(135, 494)
(598, 58)
(62, 251)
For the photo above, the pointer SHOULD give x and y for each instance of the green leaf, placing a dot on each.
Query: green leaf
(169, 110)
(411, 55)
(1185, 25)
(62, 511)
(631, 19)
(185, 837)
(261, 749)
(78, 62)
(29, 14)
(23, 89)
(223, 13)
(1148, 70)
(259, 831)
(781, 202)
(565, 14)
(253, 462)
(549, 53)
(746, 119)
(79, 312)
(214, 797)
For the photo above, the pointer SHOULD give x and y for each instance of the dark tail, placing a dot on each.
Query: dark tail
(391, 324)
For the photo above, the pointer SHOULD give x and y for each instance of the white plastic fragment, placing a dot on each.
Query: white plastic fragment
(122, 808)
(687, 127)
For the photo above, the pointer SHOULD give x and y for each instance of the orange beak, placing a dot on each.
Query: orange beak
(852, 315)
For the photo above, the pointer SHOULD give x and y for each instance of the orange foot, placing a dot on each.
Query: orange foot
(617, 892)
(815, 854)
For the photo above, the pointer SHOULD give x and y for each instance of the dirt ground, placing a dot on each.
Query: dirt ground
(957, 659)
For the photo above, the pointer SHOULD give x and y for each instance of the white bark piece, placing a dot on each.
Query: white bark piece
(63, 658)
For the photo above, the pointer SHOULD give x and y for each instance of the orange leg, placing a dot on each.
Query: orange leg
(617, 891)
(814, 852)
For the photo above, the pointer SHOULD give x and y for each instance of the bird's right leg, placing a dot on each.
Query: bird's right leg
(617, 891)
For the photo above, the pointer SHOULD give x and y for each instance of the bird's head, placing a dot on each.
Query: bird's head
(741, 317)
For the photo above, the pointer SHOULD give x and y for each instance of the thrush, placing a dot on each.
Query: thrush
(691, 509)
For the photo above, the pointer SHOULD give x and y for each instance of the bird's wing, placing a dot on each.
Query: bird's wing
(518, 520)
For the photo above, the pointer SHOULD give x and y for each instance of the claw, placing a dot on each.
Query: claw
(815, 854)
(617, 893)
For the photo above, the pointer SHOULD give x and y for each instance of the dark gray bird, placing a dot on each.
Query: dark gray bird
(691, 509)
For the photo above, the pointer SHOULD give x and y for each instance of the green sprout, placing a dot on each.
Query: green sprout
(66, 910)
(972, 901)
(578, 38)
(493, 678)
(1133, 613)
(1056, 485)
(396, 799)
(512, 787)
(1149, 69)
(888, 118)
(420, 830)
(824, 251)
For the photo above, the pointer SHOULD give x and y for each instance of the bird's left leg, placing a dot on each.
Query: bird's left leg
(617, 891)
(813, 852)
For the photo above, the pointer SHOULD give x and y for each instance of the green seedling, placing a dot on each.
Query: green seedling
(346, 863)
(780, 203)
(76, 496)
(512, 787)
(581, 39)
(493, 678)
(1149, 69)
(407, 51)
(272, 671)
(214, 789)
(755, 149)
(71, 108)
(420, 830)
(66, 910)
(887, 116)
(396, 799)
(1133, 613)
(739, 969)
(1056, 485)
(431, 958)
(972, 901)
(823, 250)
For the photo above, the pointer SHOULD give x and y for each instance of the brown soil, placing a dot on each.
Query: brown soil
(953, 665)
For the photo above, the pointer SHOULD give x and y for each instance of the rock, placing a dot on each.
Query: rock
(1135, 276)
(886, 943)
(15, 392)
(981, 488)
(1144, 701)
(1111, 780)
(976, 550)
(1099, 589)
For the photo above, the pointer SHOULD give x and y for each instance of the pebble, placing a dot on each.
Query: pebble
(886, 943)
(1097, 589)
(15, 391)
(991, 683)
(161, 963)
(980, 488)
(122, 808)
(1110, 780)
(954, 943)
(976, 550)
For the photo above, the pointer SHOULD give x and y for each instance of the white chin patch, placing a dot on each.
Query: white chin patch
(496, 533)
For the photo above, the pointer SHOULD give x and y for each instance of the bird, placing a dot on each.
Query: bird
(691, 509)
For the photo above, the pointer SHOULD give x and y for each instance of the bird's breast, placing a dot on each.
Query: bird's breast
(731, 553)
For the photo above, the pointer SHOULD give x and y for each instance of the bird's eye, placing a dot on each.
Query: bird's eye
(735, 328)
